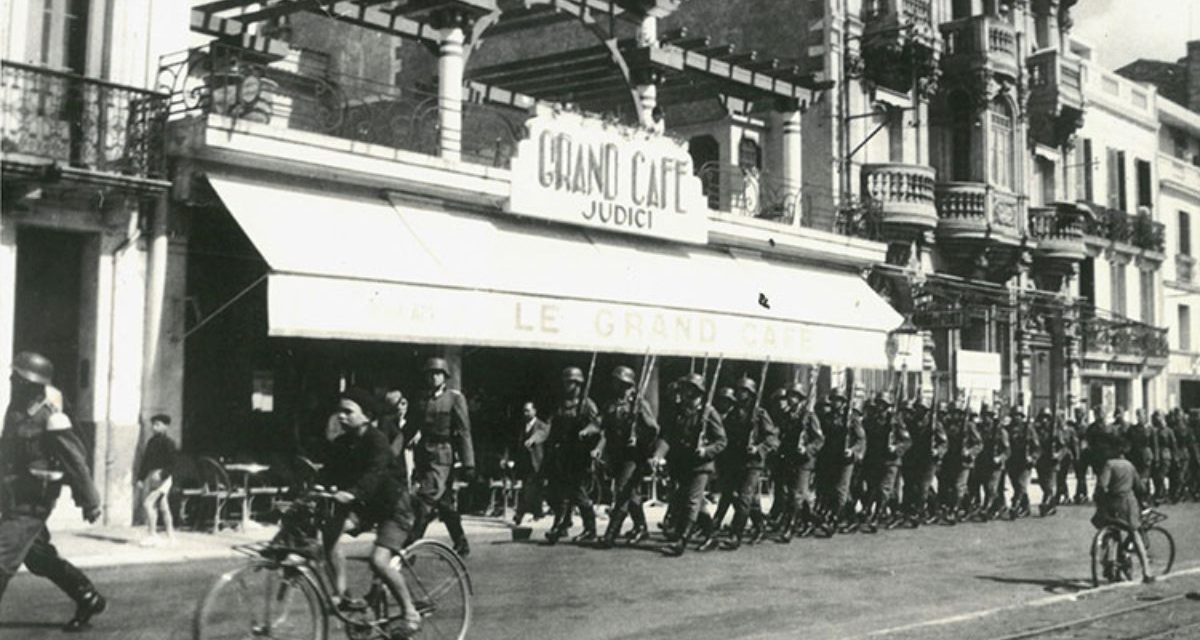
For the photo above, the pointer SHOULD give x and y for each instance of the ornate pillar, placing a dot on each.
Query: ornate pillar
(646, 80)
(451, 62)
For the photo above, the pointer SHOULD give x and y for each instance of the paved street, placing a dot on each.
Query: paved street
(1026, 573)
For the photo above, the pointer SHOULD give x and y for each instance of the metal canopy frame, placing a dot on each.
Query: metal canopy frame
(685, 67)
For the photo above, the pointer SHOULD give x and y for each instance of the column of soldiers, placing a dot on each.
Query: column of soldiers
(836, 466)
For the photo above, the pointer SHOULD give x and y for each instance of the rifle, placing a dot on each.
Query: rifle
(762, 381)
(639, 393)
(712, 389)
(849, 407)
(814, 373)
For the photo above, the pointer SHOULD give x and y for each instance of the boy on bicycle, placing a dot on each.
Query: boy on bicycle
(362, 465)
(1116, 495)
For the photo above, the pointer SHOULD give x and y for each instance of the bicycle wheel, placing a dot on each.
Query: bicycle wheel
(1105, 552)
(1160, 550)
(260, 600)
(441, 586)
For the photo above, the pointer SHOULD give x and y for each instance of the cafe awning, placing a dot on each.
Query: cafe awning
(366, 268)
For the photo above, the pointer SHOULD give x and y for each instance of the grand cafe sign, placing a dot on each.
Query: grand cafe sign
(586, 171)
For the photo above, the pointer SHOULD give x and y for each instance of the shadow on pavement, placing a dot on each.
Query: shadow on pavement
(30, 625)
(1055, 586)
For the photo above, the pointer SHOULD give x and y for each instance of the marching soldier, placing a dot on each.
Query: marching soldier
(751, 437)
(38, 451)
(1024, 451)
(444, 424)
(898, 442)
(724, 401)
(629, 433)
(1055, 448)
(924, 458)
(574, 432)
(1162, 444)
(777, 408)
(1181, 472)
(876, 426)
(963, 446)
(845, 433)
(1083, 455)
(801, 441)
(1063, 489)
(993, 460)
(690, 439)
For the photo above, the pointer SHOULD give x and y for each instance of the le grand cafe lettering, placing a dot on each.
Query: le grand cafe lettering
(582, 171)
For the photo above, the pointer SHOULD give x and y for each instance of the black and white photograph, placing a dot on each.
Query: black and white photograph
(600, 319)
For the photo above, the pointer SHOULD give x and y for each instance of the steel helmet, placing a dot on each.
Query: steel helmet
(437, 364)
(572, 374)
(747, 383)
(779, 393)
(692, 381)
(33, 367)
(836, 394)
(725, 393)
(624, 374)
(884, 397)
(797, 389)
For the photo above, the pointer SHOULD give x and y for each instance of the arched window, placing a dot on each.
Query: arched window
(706, 163)
(1003, 161)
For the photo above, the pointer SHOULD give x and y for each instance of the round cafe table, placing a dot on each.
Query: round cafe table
(247, 469)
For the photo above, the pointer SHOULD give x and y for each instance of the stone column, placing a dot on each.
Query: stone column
(450, 84)
(646, 80)
(8, 289)
(791, 171)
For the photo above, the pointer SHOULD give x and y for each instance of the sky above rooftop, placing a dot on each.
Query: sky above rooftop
(1122, 31)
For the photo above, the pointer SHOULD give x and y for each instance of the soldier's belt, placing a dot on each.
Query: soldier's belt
(46, 475)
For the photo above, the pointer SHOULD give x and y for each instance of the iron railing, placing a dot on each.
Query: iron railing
(752, 192)
(1114, 225)
(1121, 336)
(302, 93)
(82, 122)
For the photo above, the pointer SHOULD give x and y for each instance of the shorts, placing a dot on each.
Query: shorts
(392, 534)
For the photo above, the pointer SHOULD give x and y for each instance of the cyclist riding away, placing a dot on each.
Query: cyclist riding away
(1116, 495)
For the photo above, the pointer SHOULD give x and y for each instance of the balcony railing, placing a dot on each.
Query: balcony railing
(753, 193)
(898, 13)
(1055, 80)
(981, 41)
(81, 122)
(1058, 232)
(903, 194)
(975, 210)
(1113, 225)
(1102, 334)
(303, 94)
(1181, 172)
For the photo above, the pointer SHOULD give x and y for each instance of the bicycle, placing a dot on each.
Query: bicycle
(287, 589)
(1114, 553)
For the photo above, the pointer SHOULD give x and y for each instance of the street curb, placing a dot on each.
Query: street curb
(1041, 602)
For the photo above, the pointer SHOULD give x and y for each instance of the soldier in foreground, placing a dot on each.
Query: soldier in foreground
(630, 431)
(801, 441)
(752, 436)
(574, 433)
(691, 438)
(38, 450)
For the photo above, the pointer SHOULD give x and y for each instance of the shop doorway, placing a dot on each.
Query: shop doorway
(47, 304)
(1189, 394)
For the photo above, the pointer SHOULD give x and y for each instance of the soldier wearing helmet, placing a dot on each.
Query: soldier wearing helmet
(801, 441)
(844, 431)
(752, 436)
(630, 430)
(989, 467)
(924, 458)
(39, 450)
(571, 447)
(962, 448)
(442, 419)
(691, 438)
(1025, 449)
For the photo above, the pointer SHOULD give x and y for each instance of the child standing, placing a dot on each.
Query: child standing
(154, 479)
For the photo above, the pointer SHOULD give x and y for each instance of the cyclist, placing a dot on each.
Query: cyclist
(1115, 496)
(362, 464)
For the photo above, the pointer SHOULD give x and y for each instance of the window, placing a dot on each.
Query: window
(961, 138)
(1083, 167)
(706, 160)
(1146, 291)
(1185, 328)
(1001, 144)
(1145, 188)
(1118, 289)
(1185, 233)
(58, 34)
(1047, 191)
(896, 136)
(1116, 179)
(749, 154)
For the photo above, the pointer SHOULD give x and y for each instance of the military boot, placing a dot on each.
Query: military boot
(86, 607)
(589, 527)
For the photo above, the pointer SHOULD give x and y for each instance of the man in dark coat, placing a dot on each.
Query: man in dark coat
(531, 447)
(752, 436)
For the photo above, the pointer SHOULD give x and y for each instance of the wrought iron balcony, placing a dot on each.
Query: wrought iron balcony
(753, 193)
(1058, 232)
(1104, 335)
(980, 43)
(903, 194)
(1115, 226)
(1056, 103)
(81, 122)
(301, 93)
(976, 211)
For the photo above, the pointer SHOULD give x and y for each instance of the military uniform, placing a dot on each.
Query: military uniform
(800, 443)
(846, 445)
(691, 438)
(443, 421)
(1055, 449)
(39, 449)
(1025, 449)
(924, 459)
(1162, 445)
(993, 459)
(628, 440)
(1181, 471)
(963, 445)
(898, 442)
(574, 434)
(751, 436)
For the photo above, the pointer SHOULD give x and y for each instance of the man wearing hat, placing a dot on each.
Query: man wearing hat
(571, 447)
(1025, 449)
(962, 448)
(924, 458)
(724, 401)
(629, 432)
(690, 440)
(444, 423)
(751, 436)
(887, 450)
(778, 408)
(800, 443)
(39, 450)
(993, 458)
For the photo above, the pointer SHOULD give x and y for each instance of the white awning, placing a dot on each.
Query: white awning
(367, 269)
